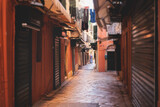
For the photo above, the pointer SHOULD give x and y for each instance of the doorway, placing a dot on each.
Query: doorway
(111, 60)
(23, 67)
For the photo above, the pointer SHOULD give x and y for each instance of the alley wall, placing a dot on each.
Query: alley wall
(7, 34)
(42, 70)
(62, 60)
(69, 57)
(125, 73)
(76, 59)
(102, 46)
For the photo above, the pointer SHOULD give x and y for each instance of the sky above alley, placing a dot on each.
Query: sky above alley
(87, 3)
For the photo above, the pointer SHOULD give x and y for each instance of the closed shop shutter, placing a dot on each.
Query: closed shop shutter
(143, 55)
(57, 63)
(23, 68)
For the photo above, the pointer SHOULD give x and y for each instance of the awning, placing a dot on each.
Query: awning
(57, 10)
(79, 40)
(53, 8)
(75, 27)
(102, 12)
(108, 12)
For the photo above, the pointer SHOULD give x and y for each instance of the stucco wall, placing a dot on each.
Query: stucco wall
(102, 46)
(69, 57)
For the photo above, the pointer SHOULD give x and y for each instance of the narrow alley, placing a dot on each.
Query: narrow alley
(89, 88)
(79, 53)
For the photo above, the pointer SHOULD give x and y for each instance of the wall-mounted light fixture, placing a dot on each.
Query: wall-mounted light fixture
(25, 25)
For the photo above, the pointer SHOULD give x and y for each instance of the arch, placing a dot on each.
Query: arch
(110, 46)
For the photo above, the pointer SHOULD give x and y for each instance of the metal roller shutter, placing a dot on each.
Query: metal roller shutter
(23, 68)
(57, 63)
(143, 55)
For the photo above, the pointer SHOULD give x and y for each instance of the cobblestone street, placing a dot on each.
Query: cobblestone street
(89, 88)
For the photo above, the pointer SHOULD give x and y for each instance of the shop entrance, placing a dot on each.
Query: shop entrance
(111, 60)
(23, 67)
(26, 21)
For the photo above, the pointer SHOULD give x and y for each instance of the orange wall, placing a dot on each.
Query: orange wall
(76, 55)
(36, 71)
(101, 49)
(7, 34)
(42, 72)
(62, 60)
(101, 60)
(126, 53)
(3, 96)
(10, 49)
(69, 58)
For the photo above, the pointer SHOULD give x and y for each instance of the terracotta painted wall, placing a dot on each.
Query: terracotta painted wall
(69, 58)
(36, 70)
(101, 49)
(80, 62)
(101, 59)
(62, 60)
(76, 55)
(3, 91)
(76, 59)
(10, 49)
(126, 53)
(7, 34)
(42, 72)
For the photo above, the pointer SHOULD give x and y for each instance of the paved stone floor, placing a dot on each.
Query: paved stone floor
(89, 88)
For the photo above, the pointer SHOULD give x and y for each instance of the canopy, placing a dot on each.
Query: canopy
(102, 12)
(57, 10)
(108, 12)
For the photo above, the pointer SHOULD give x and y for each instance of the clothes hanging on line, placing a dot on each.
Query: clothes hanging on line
(93, 16)
(85, 19)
